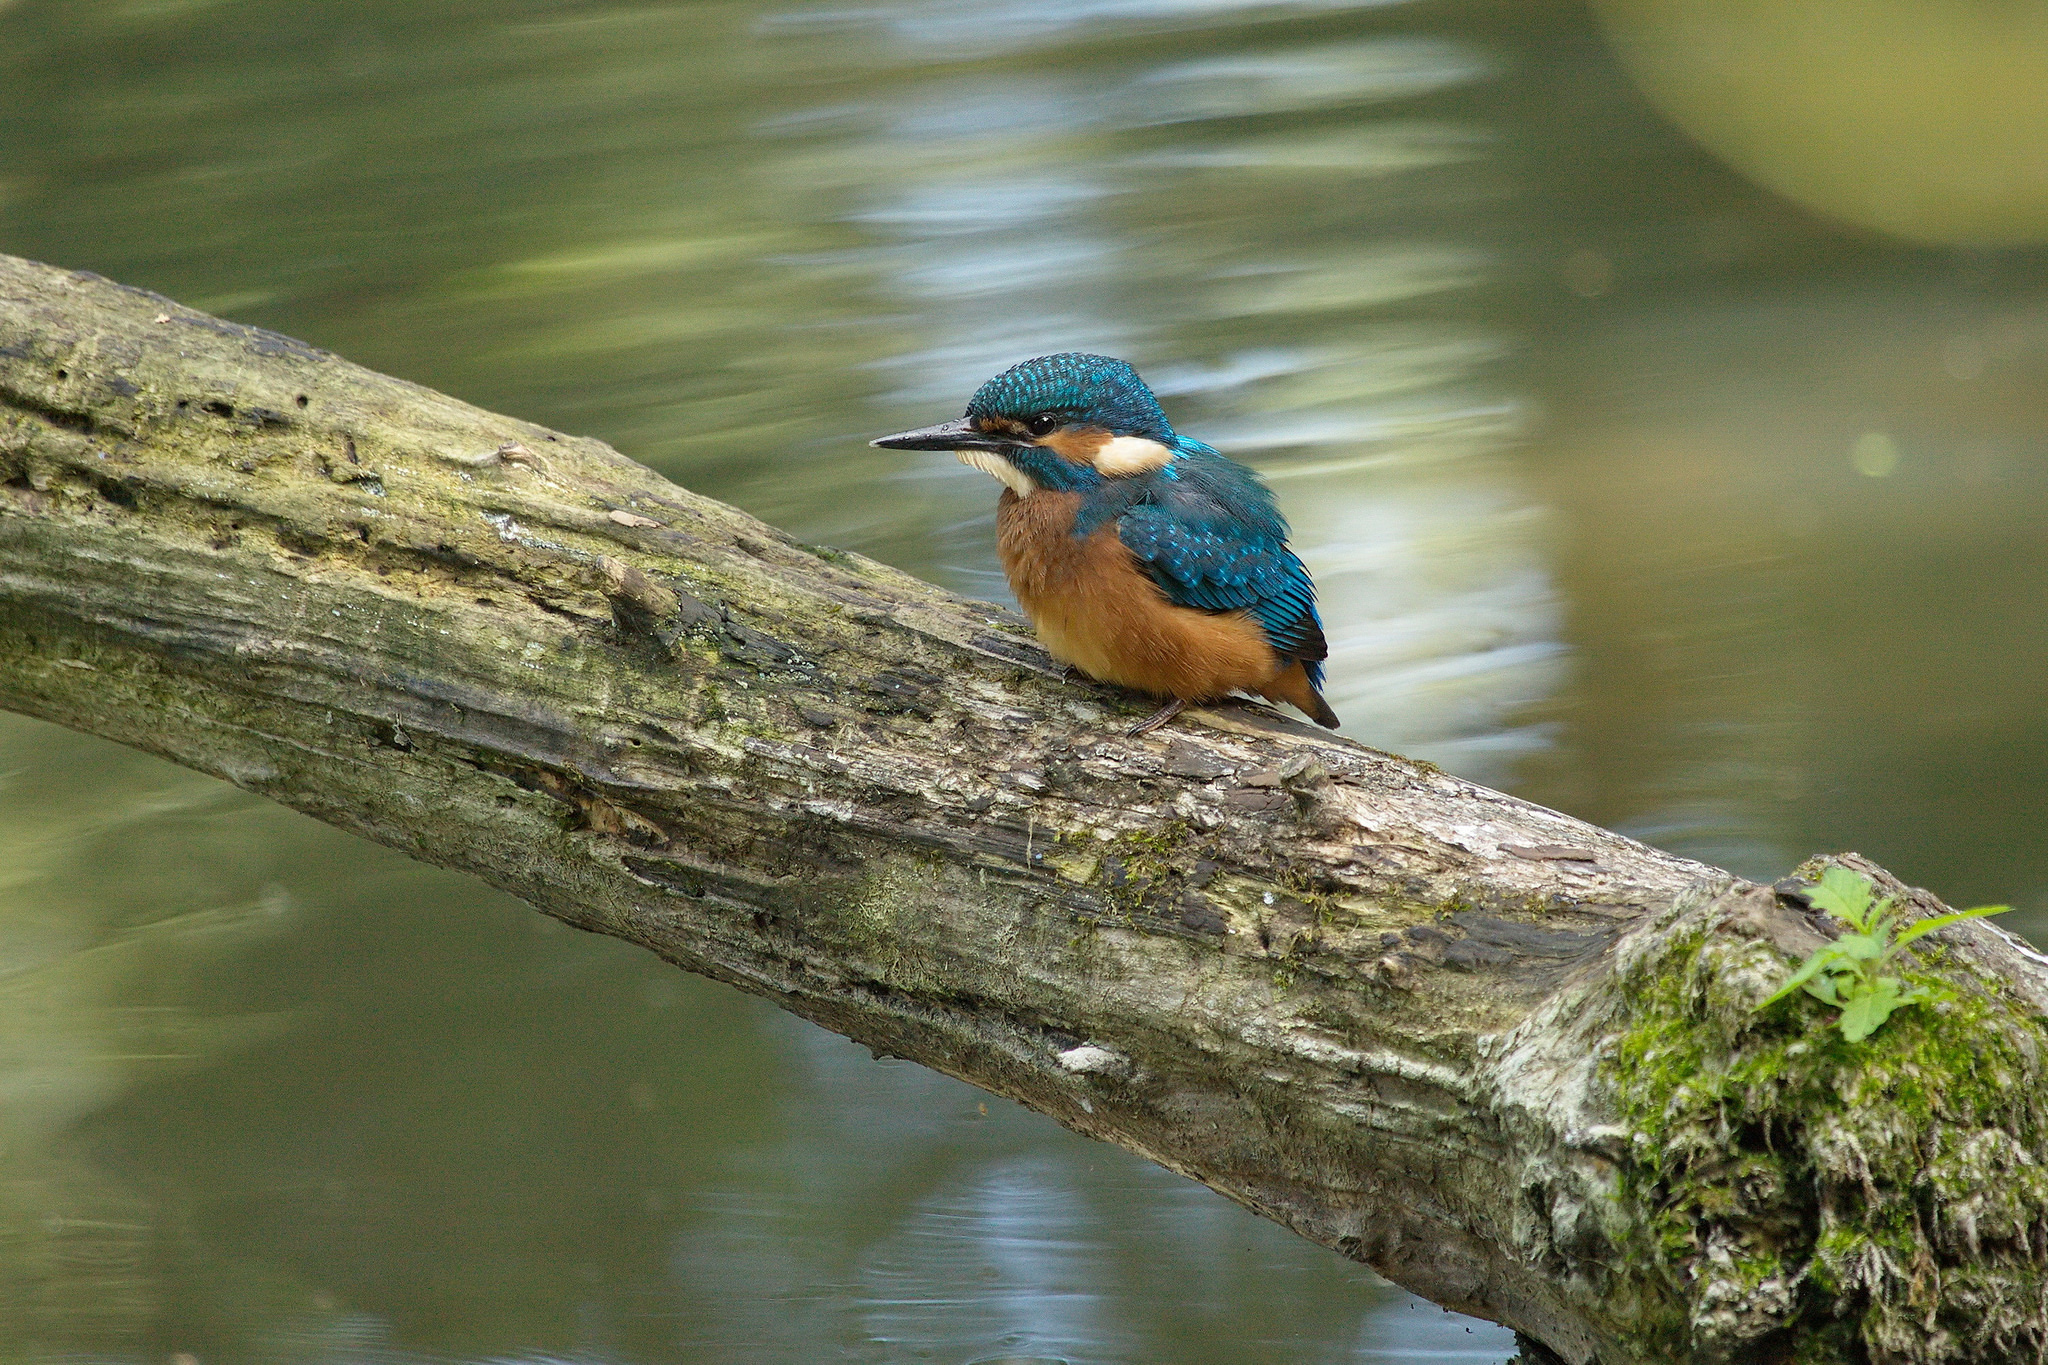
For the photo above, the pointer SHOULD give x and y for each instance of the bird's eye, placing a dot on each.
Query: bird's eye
(1044, 424)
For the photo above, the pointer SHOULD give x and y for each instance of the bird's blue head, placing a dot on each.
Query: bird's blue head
(1066, 422)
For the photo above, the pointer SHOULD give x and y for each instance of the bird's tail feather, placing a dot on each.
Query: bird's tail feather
(1294, 688)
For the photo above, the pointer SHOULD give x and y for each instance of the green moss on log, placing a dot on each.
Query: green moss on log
(1813, 1199)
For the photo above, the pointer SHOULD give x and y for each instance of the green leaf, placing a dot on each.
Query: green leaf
(1845, 973)
(1862, 1015)
(1919, 995)
(1843, 894)
(1828, 987)
(1818, 961)
(1928, 926)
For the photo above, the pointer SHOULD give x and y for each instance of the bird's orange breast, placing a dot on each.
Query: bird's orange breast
(1096, 608)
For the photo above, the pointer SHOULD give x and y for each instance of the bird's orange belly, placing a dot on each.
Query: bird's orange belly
(1097, 609)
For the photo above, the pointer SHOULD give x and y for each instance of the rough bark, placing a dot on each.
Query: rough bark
(1507, 1059)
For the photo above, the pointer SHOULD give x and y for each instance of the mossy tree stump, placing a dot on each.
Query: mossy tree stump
(1509, 1060)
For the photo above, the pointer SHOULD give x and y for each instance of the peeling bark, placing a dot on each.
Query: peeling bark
(1506, 1058)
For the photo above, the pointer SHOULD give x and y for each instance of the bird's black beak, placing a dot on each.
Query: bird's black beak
(957, 434)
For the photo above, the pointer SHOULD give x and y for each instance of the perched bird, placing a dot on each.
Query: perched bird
(1144, 558)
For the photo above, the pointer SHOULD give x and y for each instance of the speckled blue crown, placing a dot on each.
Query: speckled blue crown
(1097, 389)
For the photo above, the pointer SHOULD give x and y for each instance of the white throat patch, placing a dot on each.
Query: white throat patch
(988, 462)
(1122, 456)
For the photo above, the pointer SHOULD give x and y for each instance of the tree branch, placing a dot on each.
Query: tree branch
(1507, 1059)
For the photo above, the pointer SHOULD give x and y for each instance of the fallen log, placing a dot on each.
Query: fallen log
(1509, 1060)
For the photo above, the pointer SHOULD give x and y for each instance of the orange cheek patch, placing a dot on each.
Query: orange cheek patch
(1077, 445)
(1116, 456)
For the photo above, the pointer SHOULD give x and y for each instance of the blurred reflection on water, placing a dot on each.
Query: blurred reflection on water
(1922, 118)
(1627, 487)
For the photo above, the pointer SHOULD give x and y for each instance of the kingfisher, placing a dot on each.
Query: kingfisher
(1143, 558)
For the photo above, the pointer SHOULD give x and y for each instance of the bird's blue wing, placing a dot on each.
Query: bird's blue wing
(1202, 557)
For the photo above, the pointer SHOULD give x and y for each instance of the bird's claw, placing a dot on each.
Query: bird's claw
(1157, 718)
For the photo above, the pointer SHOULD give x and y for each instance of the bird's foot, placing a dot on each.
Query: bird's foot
(1157, 718)
(1071, 674)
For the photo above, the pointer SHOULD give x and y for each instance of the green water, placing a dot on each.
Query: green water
(1628, 488)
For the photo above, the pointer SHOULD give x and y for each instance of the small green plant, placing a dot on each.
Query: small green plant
(1850, 972)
